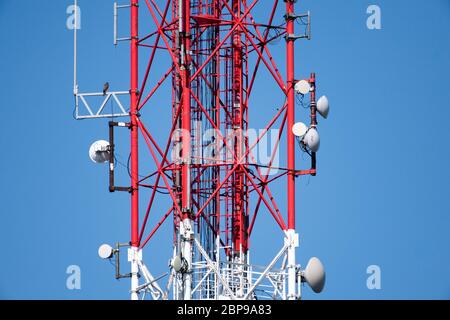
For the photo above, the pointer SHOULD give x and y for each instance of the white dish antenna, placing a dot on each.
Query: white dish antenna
(105, 251)
(299, 129)
(302, 87)
(312, 140)
(314, 275)
(99, 151)
(179, 264)
(323, 106)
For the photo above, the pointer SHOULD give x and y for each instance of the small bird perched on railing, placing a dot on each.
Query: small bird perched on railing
(105, 88)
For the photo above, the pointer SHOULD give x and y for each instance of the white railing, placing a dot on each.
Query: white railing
(85, 110)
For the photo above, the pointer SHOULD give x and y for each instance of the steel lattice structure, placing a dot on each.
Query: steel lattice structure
(216, 187)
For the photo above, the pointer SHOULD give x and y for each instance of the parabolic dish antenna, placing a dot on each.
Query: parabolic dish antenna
(302, 87)
(299, 129)
(323, 106)
(99, 151)
(312, 140)
(105, 251)
(314, 275)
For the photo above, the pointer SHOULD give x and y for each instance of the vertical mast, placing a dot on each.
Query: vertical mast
(134, 251)
(238, 201)
(290, 48)
(187, 224)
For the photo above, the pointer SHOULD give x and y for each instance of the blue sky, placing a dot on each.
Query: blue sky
(381, 197)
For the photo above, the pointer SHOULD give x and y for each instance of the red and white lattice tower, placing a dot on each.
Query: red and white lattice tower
(216, 185)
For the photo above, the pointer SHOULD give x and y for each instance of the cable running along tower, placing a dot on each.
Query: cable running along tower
(216, 186)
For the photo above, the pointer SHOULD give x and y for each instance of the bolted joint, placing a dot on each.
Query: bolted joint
(134, 91)
(138, 115)
(186, 230)
(292, 239)
(185, 35)
(188, 212)
(134, 255)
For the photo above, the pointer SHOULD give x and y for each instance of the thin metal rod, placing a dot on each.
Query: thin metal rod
(115, 23)
(75, 84)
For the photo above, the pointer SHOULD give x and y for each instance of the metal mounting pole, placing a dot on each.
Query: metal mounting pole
(312, 81)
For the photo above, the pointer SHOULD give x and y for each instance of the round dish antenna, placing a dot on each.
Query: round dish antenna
(179, 264)
(105, 251)
(99, 152)
(302, 87)
(299, 129)
(312, 140)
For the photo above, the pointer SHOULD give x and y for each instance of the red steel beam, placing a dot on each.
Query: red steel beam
(290, 54)
(134, 127)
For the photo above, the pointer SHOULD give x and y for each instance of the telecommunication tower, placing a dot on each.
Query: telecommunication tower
(216, 186)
